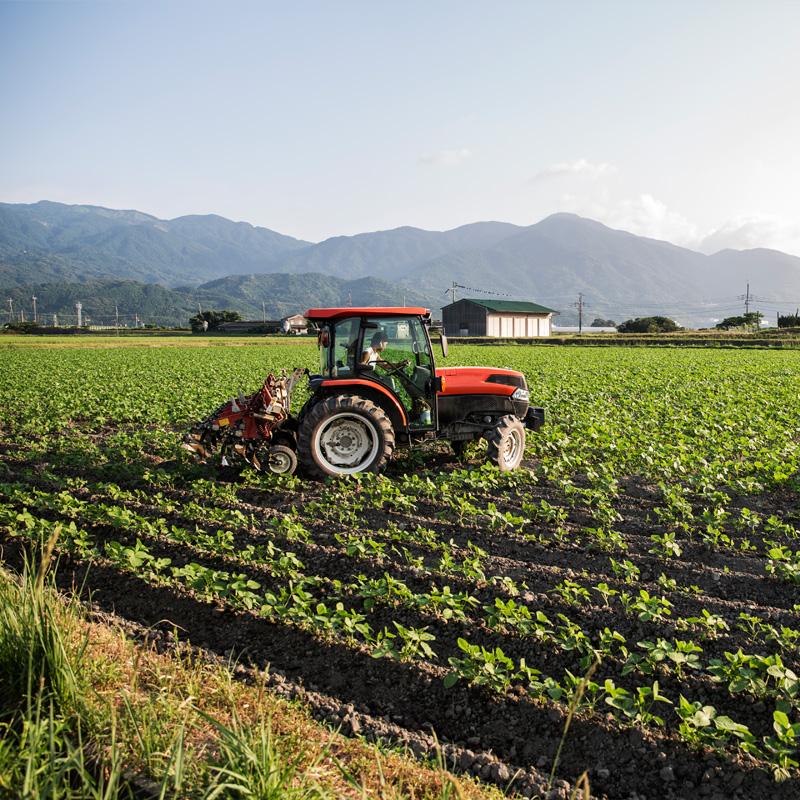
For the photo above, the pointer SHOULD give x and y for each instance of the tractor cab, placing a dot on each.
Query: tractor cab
(385, 351)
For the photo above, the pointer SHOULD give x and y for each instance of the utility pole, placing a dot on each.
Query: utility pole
(746, 297)
(263, 312)
(55, 320)
(10, 309)
(349, 299)
(35, 318)
(452, 292)
(580, 305)
(116, 317)
(79, 308)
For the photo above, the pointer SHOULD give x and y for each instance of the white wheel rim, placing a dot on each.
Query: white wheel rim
(513, 448)
(279, 463)
(346, 443)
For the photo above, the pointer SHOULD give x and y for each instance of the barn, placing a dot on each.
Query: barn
(507, 319)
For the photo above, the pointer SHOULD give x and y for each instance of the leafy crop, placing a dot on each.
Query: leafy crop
(659, 498)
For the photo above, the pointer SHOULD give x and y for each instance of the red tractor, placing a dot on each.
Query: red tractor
(377, 388)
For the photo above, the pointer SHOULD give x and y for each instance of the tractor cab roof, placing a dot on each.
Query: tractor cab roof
(322, 314)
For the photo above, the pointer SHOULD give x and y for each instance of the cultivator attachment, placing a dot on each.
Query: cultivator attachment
(257, 429)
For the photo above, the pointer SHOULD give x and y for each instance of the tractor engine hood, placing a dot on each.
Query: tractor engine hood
(480, 380)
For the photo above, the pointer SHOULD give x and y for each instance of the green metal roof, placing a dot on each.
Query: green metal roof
(511, 306)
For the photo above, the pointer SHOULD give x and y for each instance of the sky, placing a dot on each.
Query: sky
(677, 120)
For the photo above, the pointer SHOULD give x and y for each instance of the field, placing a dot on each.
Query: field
(625, 606)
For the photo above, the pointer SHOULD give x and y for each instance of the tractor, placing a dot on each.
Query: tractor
(377, 388)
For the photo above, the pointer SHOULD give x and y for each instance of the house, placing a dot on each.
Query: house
(506, 319)
(296, 323)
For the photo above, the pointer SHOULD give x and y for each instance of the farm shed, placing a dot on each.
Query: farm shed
(296, 323)
(506, 319)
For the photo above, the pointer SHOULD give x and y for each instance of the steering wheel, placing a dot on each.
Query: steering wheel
(396, 367)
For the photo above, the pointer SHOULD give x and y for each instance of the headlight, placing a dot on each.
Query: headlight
(521, 394)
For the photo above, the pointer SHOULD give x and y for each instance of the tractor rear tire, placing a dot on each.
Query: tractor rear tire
(344, 435)
(506, 443)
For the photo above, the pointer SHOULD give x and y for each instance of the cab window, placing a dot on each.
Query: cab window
(345, 345)
(396, 352)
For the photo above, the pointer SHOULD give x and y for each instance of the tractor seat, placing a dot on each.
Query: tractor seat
(421, 376)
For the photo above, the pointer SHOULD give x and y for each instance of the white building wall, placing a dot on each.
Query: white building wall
(513, 326)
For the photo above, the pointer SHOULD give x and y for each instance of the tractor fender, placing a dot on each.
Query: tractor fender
(372, 391)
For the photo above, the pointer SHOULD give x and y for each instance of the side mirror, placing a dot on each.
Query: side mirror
(445, 347)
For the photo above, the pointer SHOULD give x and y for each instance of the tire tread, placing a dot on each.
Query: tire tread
(332, 405)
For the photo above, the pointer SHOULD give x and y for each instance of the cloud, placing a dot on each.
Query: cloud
(446, 158)
(581, 167)
(648, 216)
(644, 215)
(744, 233)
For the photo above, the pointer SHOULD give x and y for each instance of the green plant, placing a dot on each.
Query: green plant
(572, 593)
(636, 706)
(492, 669)
(626, 570)
(405, 644)
(666, 545)
(782, 748)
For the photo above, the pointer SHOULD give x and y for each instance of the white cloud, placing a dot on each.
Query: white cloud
(446, 158)
(648, 216)
(644, 215)
(581, 167)
(744, 233)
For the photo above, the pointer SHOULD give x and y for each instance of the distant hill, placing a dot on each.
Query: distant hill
(387, 254)
(55, 242)
(564, 254)
(210, 258)
(105, 301)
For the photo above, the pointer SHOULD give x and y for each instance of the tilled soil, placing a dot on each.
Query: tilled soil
(510, 740)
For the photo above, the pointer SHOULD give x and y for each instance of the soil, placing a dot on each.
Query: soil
(512, 740)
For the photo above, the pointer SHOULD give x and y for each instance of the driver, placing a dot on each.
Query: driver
(371, 357)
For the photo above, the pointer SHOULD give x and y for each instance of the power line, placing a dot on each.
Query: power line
(454, 286)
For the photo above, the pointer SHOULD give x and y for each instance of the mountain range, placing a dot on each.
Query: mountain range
(164, 268)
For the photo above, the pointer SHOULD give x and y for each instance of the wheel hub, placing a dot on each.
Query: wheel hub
(512, 447)
(279, 463)
(346, 441)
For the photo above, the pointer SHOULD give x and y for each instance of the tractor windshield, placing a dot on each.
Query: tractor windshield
(398, 352)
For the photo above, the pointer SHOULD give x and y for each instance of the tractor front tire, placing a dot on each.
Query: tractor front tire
(506, 443)
(344, 435)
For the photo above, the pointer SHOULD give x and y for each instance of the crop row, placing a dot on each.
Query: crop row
(299, 602)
